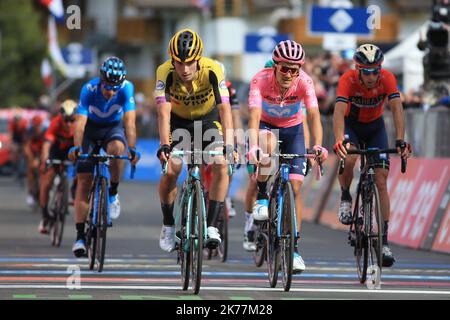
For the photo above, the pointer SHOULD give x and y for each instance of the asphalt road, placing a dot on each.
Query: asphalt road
(136, 269)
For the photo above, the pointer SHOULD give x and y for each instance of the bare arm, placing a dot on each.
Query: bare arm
(80, 124)
(129, 120)
(45, 151)
(253, 126)
(227, 122)
(164, 110)
(315, 126)
(338, 121)
(399, 120)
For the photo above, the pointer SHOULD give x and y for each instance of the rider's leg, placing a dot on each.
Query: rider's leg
(220, 182)
(268, 143)
(168, 190)
(167, 194)
(81, 202)
(116, 148)
(381, 176)
(296, 186)
(45, 186)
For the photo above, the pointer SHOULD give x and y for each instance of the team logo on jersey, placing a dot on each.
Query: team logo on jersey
(91, 88)
(103, 115)
(223, 85)
(160, 85)
(132, 100)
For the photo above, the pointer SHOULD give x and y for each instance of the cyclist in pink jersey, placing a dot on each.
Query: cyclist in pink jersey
(275, 103)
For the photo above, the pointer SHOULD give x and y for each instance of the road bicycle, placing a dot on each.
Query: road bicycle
(190, 220)
(276, 237)
(366, 230)
(98, 213)
(58, 204)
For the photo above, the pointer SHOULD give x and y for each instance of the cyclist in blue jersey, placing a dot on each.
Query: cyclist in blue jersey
(106, 113)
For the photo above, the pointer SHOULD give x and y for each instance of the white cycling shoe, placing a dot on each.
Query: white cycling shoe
(167, 238)
(114, 206)
(261, 210)
(299, 264)
(213, 238)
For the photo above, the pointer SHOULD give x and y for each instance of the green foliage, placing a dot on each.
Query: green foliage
(23, 45)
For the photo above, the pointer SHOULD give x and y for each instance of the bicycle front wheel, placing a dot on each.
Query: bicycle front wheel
(273, 252)
(375, 229)
(184, 255)
(91, 233)
(361, 249)
(102, 223)
(197, 236)
(287, 235)
(223, 230)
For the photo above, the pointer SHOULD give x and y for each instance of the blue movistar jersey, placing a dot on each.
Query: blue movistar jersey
(95, 106)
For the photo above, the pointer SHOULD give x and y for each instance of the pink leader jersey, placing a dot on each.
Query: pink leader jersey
(276, 110)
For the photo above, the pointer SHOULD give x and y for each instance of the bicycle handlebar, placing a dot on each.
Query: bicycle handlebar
(104, 157)
(372, 151)
(289, 156)
(181, 153)
(50, 162)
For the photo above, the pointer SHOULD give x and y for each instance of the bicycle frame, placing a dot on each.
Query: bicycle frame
(101, 170)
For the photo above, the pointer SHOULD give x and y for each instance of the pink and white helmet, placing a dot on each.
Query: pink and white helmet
(289, 51)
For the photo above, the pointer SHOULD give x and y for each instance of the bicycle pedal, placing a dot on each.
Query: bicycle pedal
(110, 224)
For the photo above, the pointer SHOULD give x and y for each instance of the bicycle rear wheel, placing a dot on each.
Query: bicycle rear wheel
(61, 207)
(375, 230)
(197, 236)
(287, 235)
(273, 252)
(102, 224)
(91, 234)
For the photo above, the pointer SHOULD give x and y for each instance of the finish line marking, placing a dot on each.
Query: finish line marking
(209, 288)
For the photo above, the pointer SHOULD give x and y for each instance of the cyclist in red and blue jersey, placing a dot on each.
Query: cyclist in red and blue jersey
(58, 141)
(360, 100)
(34, 139)
(275, 103)
(106, 113)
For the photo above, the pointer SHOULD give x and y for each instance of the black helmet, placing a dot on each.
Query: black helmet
(113, 70)
(185, 46)
(368, 56)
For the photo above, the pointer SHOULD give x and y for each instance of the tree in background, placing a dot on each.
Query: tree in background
(23, 45)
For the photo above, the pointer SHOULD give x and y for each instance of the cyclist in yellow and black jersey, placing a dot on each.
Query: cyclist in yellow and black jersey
(191, 92)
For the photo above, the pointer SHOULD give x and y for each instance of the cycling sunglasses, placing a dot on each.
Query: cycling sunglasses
(109, 87)
(293, 71)
(374, 71)
(69, 119)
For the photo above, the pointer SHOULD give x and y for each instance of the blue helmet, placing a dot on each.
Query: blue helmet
(113, 70)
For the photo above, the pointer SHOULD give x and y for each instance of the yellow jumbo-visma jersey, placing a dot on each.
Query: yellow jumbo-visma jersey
(209, 89)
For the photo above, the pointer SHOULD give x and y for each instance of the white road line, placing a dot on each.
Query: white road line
(210, 288)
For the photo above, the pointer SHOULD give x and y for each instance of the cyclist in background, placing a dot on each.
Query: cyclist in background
(32, 149)
(358, 118)
(58, 141)
(106, 113)
(275, 99)
(17, 128)
(191, 90)
(237, 124)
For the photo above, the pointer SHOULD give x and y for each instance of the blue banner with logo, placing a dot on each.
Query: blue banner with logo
(339, 20)
(262, 43)
(148, 167)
